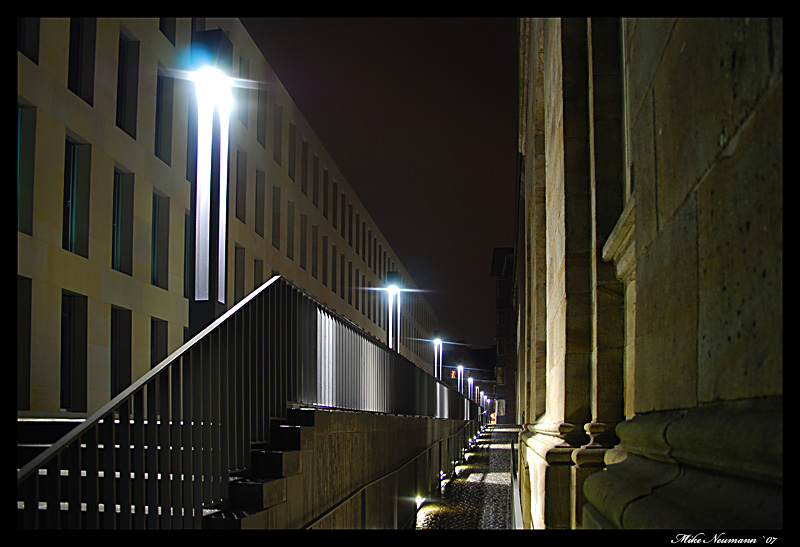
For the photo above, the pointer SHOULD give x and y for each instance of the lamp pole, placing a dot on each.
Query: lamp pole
(437, 358)
(393, 290)
(213, 90)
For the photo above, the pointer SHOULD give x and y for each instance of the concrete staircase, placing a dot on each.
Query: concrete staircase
(253, 499)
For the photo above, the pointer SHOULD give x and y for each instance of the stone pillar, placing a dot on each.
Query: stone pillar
(607, 317)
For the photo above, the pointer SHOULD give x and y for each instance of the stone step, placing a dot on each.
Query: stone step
(292, 437)
(276, 463)
(254, 494)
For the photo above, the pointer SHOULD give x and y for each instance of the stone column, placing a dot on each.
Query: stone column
(607, 317)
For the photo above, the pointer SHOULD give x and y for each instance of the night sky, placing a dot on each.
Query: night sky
(420, 116)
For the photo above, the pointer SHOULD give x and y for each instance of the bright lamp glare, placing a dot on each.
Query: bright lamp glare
(393, 290)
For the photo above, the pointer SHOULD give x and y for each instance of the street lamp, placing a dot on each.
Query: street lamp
(437, 358)
(469, 390)
(213, 90)
(394, 300)
(460, 378)
(393, 290)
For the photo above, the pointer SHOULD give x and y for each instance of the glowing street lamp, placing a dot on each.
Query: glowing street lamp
(469, 390)
(393, 290)
(460, 378)
(437, 358)
(213, 90)
(394, 329)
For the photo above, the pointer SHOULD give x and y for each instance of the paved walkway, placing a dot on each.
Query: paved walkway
(479, 496)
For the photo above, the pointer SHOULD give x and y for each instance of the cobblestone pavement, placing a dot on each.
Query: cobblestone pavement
(478, 497)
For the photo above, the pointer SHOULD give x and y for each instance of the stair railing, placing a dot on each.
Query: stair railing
(162, 451)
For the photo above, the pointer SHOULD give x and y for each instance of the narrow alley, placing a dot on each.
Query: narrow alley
(479, 495)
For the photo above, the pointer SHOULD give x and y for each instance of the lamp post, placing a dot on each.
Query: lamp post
(394, 300)
(460, 378)
(393, 291)
(213, 90)
(437, 358)
(469, 390)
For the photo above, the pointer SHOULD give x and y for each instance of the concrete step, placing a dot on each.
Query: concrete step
(253, 495)
(292, 437)
(276, 463)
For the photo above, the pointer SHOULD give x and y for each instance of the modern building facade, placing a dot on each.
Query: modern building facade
(107, 206)
(649, 273)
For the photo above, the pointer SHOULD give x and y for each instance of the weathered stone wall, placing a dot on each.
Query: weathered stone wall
(361, 469)
(662, 230)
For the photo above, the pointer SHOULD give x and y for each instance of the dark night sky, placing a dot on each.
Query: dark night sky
(420, 116)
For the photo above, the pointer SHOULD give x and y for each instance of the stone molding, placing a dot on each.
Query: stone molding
(718, 465)
(621, 245)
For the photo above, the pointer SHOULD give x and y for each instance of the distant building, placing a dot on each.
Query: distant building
(506, 336)
(106, 206)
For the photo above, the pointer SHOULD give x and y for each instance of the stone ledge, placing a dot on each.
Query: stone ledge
(742, 438)
(717, 466)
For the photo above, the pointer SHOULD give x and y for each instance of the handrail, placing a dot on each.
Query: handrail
(181, 429)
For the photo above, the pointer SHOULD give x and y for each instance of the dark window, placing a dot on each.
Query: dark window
(158, 341)
(241, 186)
(163, 137)
(120, 350)
(290, 230)
(73, 352)
(292, 150)
(258, 273)
(122, 223)
(127, 85)
(26, 145)
(159, 259)
(75, 234)
(80, 76)
(238, 273)
(315, 182)
(28, 37)
(304, 167)
(303, 240)
(325, 260)
(243, 102)
(325, 184)
(167, 27)
(314, 250)
(276, 217)
(24, 293)
(260, 197)
(261, 121)
(277, 134)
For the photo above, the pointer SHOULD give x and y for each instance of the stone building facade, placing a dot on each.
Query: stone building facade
(107, 144)
(649, 273)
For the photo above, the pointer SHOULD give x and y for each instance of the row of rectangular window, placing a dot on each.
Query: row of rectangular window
(73, 391)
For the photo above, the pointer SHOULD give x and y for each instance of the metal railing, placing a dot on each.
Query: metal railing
(163, 450)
